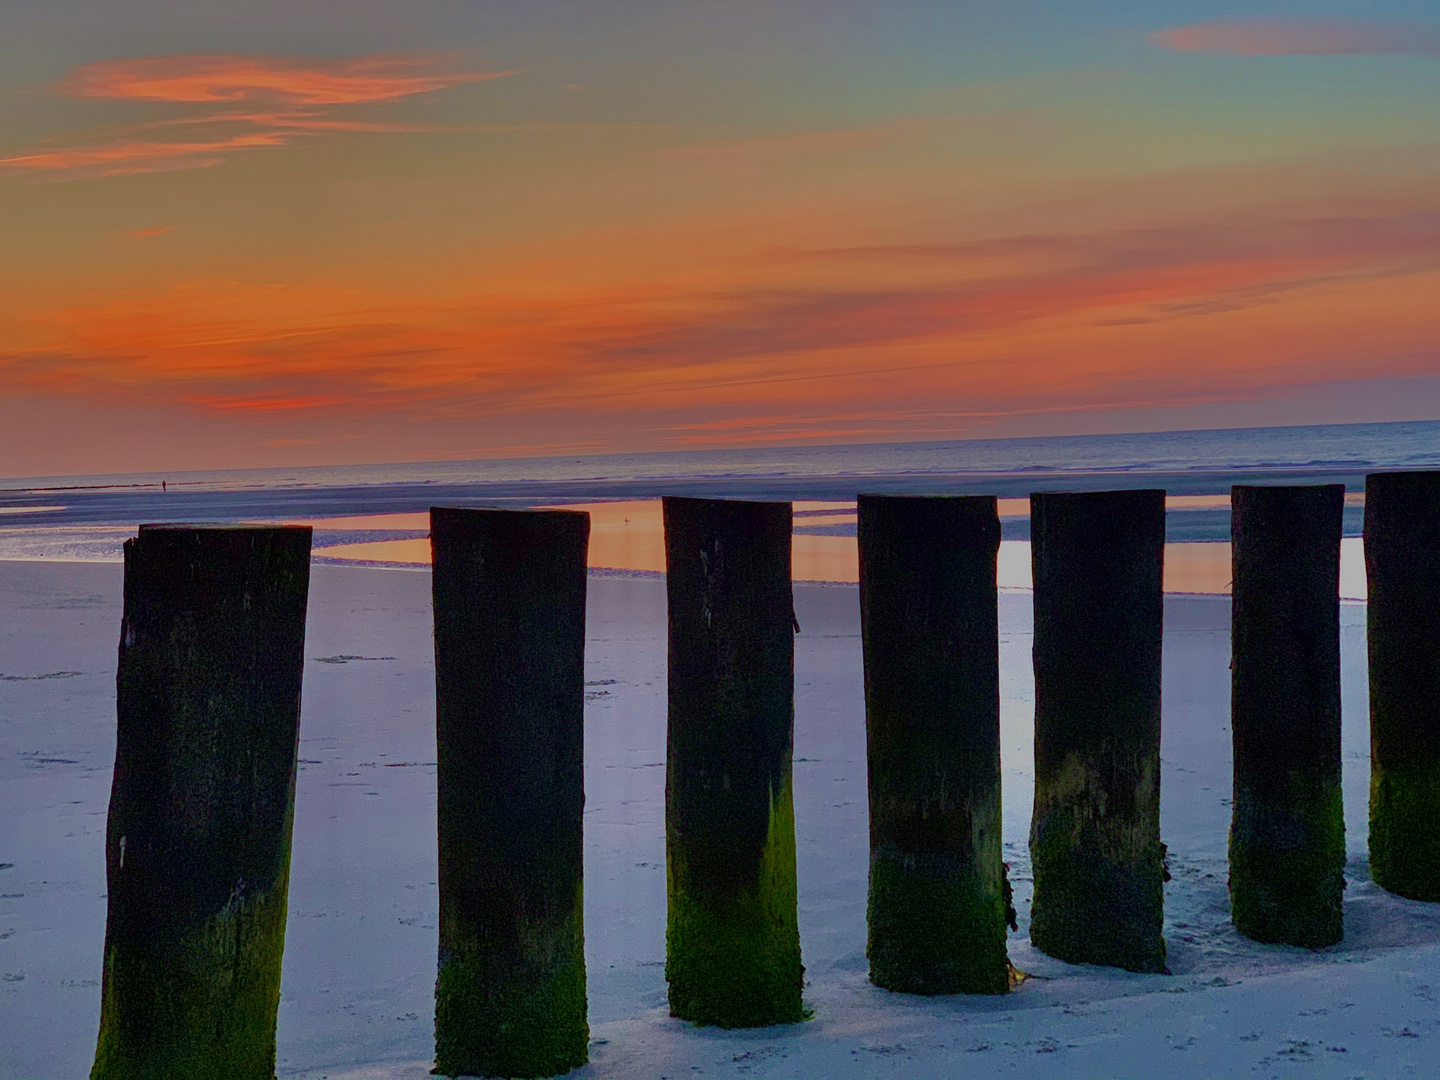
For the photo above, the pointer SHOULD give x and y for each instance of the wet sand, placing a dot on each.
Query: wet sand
(360, 955)
(630, 536)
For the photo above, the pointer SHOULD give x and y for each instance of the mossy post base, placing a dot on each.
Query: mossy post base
(1287, 835)
(197, 846)
(1402, 562)
(732, 940)
(1095, 834)
(509, 593)
(929, 622)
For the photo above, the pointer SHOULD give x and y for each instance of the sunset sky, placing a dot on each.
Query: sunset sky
(311, 232)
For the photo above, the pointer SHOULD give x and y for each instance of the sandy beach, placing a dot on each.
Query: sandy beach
(360, 954)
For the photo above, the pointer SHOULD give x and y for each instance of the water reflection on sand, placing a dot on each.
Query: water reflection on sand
(630, 536)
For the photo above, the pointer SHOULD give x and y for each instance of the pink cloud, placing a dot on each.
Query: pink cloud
(288, 80)
(1301, 37)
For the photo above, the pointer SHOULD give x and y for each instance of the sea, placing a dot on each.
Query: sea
(88, 517)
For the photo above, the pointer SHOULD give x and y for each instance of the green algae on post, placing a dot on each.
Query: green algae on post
(1287, 834)
(1095, 846)
(1402, 563)
(732, 940)
(929, 622)
(197, 844)
(509, 598)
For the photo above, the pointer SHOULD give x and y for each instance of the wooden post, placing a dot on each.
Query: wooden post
(509, 593)
(929, 622)
(1402, 562)
(732, 936)
(1095, 835)
(197, 847)
(1287, 836)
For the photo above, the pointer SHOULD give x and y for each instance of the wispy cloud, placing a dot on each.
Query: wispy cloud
(1151, 275)
(288, 80)
(282, 99)
(267, 403)
(845, 335)
(127, 157)
(1301, 37)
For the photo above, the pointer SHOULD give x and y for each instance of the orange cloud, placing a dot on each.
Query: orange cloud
(710, 330)
(1125, 277)
(1301, 37)
(295, 98)
(1146, 315)
(284, 80)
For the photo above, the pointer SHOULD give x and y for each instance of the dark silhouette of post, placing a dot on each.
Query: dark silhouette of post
(1402, 563)
(509, 594)
(939, 899)
(1287, 835)
(1095, 844)
(197, 846)
(732, 937)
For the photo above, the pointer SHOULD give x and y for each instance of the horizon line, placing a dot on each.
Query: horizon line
(17, 483)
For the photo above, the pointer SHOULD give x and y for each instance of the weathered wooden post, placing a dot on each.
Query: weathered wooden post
(1287, 835)
(1402, 562)
(509, 594)
(929, 622)
(1095, 835)
(197, 847)
(732, 936)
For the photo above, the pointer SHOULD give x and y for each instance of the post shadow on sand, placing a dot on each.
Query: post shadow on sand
(732, 941)
(1287, 837)
(939, 900)
(1099, 865)
(1402, 563)
(509, 599)
(197, 847)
